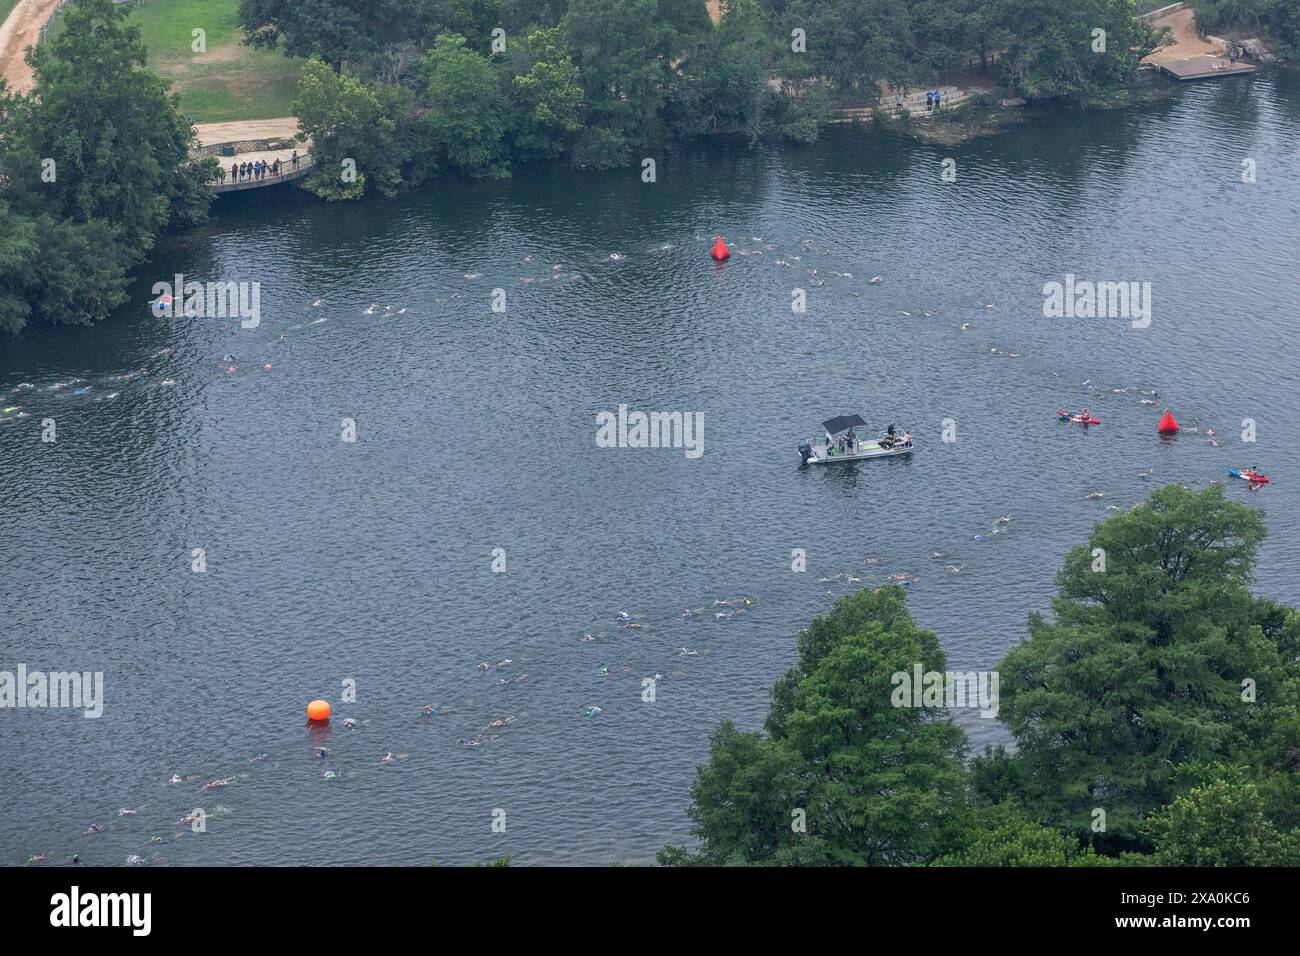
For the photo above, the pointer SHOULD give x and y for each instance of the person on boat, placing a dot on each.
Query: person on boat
(850, 438)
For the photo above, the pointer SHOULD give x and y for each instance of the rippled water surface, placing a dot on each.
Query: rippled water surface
(372, 561)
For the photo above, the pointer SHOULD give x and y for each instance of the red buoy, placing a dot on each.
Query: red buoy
(720, 250)
(1167, 424)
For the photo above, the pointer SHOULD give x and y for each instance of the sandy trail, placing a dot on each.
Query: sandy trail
(21, 29)
(1182, 23)
(240, 130)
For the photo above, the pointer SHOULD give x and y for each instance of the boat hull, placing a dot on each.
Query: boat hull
(818, 455)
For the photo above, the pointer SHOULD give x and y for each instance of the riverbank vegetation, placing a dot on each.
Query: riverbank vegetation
(476, 86)
(1155, 716)
(1277, 20)
(94, 164)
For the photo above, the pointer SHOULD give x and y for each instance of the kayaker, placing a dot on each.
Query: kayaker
(1085, 414)
(1250, 472)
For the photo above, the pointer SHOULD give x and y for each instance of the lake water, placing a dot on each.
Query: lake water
(372, 561)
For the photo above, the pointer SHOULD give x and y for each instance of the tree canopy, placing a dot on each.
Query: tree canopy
(1154, 716)
(95, 163)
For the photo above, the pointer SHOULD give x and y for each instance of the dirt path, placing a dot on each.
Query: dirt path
(1190, 43)
(21, 29)
(715, 9)
(240, 130)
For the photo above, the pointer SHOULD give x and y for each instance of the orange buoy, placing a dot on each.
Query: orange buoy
(1167, 424)
(720, 250)
(318, 710)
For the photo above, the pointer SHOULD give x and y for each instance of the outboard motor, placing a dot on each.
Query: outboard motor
(805, 453)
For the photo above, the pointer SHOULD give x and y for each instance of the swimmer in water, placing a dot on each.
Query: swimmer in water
(174, 778)
(592, 711)
(350, 723)
(94, 828)
(387, 758)
(624, 616)
(372, 310)
(500, 723)
(428, 710)
(471, 275)
(617, 256)
(318, 303)
(127, 812)
(484, 666)
(687, 652)
(321, 752)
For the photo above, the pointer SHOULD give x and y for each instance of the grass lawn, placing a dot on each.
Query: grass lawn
(229, 81)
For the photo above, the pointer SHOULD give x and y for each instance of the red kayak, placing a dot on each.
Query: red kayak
(1255, 479)
(1070, 417)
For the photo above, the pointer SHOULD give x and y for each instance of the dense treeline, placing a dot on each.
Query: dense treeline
(94, 160)
(408, 88)
(94, 163)
(1279, 20)
(1156, 720)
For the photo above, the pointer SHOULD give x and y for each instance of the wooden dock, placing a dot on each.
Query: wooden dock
(1204, 66)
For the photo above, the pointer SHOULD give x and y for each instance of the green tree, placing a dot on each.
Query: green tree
(1003, 835)
(1055, 50)
(1221, 822)
(467, 108)
(545, 96)
(353, 133)
(334, 31)
(1158, 655)
(878, 784)
(95, 161)
(626, 50)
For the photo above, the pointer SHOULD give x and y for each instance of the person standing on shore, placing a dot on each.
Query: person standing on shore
(936, 99)
(929, 101)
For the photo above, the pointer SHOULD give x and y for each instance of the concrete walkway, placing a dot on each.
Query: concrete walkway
(913, 102)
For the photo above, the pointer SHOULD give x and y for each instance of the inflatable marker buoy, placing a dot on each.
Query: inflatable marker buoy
(720, 250)
(1167, 424)
(318, 710)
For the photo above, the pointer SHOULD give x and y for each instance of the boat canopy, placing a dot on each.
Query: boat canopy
(842, 423)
